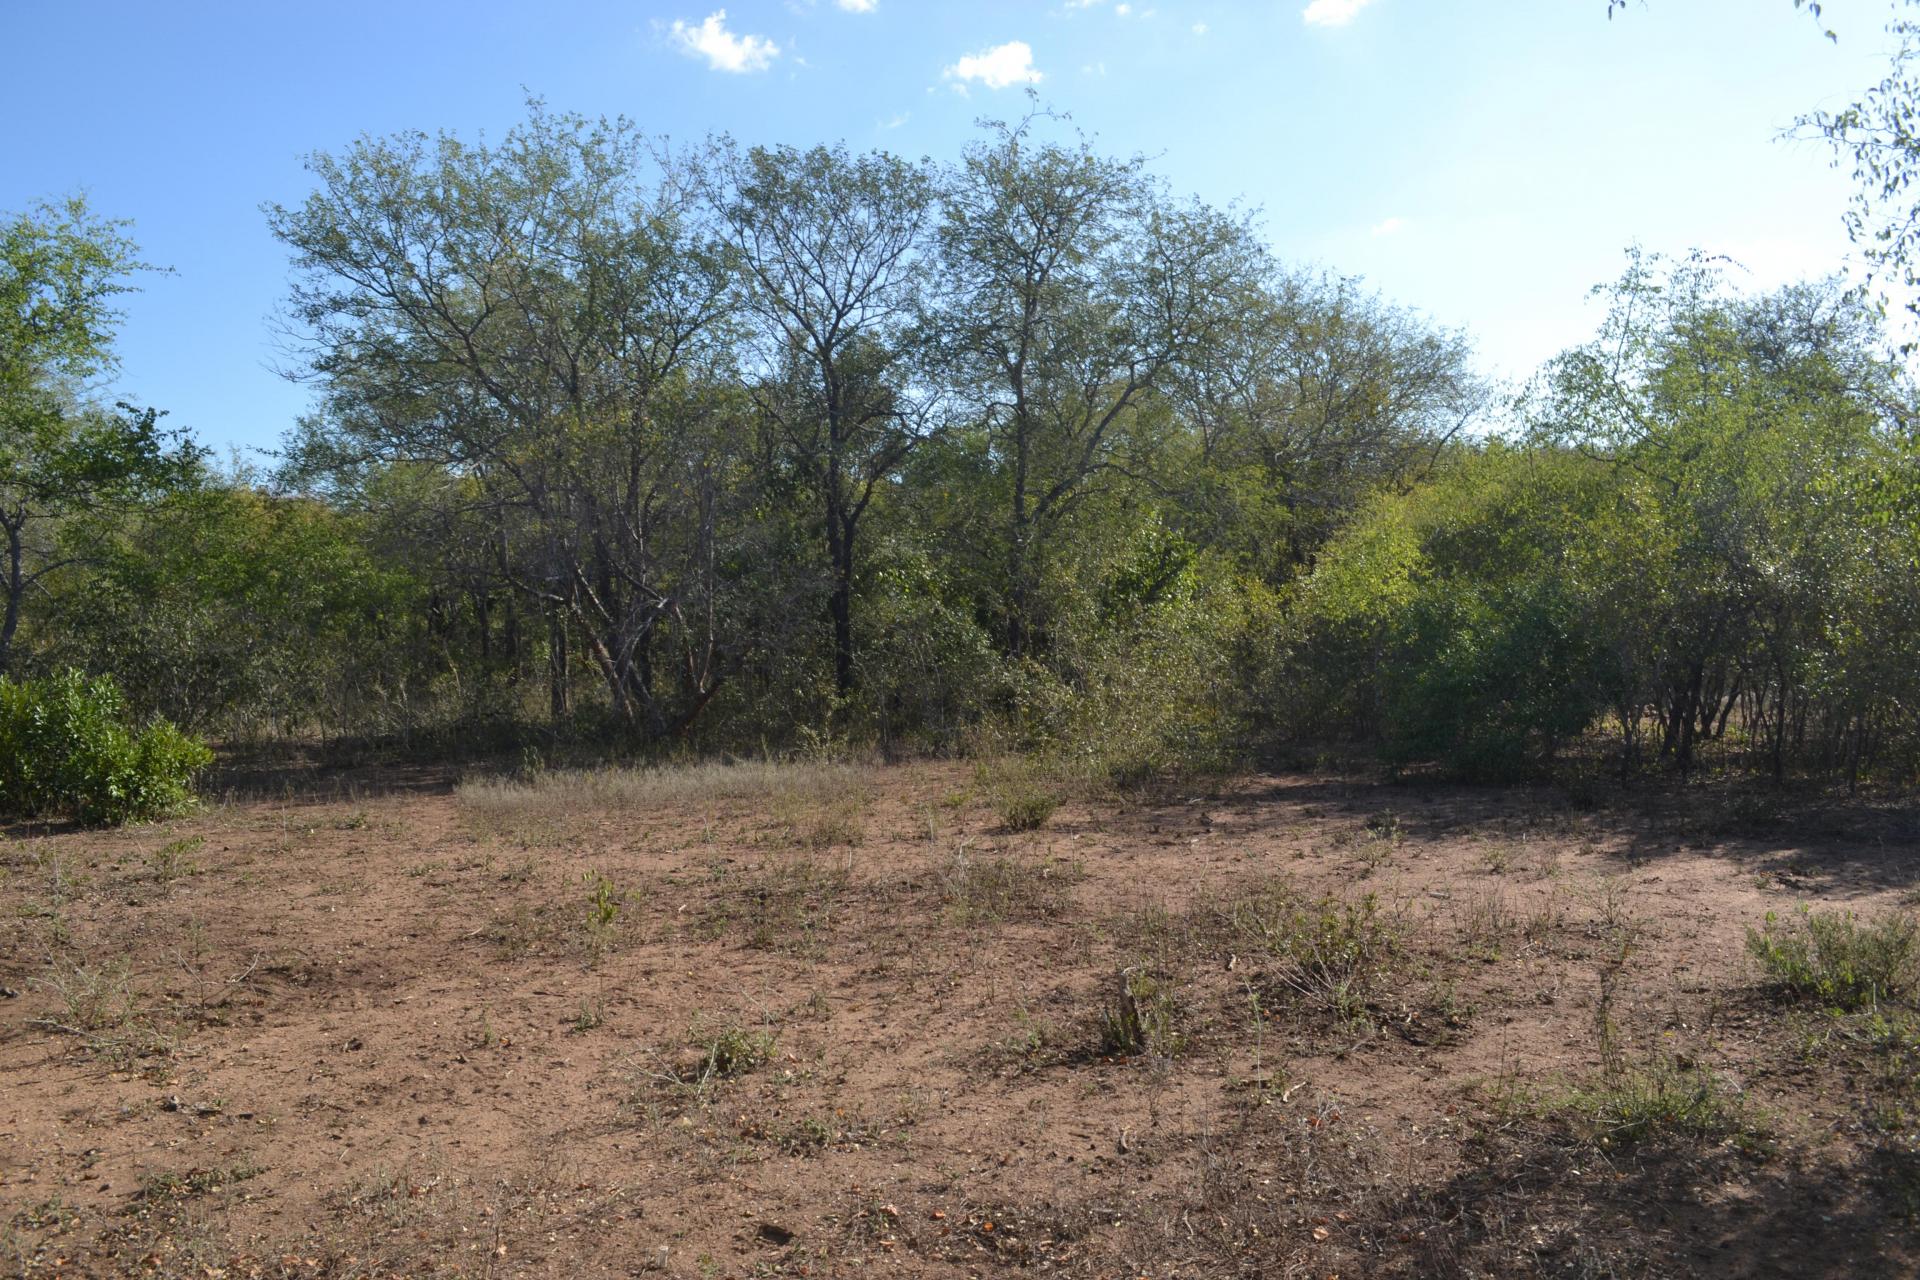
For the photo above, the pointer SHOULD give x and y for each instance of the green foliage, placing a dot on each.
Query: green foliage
(1026, 808)
(1712, 512)
(730, 1051)
(67, 749)
(1663, 1100)
(1838, 958)
(233, 609)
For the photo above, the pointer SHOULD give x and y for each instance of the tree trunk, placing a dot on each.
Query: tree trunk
(840, 599)
(16, 590)
(559, 687)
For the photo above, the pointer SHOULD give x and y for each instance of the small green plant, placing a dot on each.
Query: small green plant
(1026, 807)
(1141, 1017)
(1663, 1099)
(68, 750)
(1331, 953)
(731, 1051)
(604, 899)
(1837, 957)
(175, 859)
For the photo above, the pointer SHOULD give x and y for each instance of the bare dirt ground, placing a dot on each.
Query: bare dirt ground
(819, 1021)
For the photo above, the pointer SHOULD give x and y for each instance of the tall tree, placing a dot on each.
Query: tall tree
(830, 243)
(1072, 290)
(545, 319)
(62, 268)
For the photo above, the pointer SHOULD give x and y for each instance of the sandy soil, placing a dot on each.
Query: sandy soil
(848, 1023)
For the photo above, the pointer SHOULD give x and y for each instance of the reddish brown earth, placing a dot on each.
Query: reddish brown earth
(394, 1035)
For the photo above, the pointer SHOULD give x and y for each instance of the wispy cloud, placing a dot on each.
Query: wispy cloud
(896, 121)
(1392, 226)
(858, 6)
(1333, 13)
(722, 49)
(996, 68)
(1199, 28)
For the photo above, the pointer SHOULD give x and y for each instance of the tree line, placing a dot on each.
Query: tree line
(739, 448)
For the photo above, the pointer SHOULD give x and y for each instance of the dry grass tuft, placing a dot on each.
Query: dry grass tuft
(546, 809)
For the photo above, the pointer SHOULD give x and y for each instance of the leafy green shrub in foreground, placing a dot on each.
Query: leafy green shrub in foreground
(66, 749)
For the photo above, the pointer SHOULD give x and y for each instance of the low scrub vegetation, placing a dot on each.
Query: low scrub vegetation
(1838, 958)
(68, 749)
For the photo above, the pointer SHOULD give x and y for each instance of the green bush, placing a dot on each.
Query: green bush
(1839, 958)
(67, 749)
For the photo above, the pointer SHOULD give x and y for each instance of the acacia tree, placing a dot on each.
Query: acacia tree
(829, 244)
(1072, 290)
(61, 271)
(544, 320)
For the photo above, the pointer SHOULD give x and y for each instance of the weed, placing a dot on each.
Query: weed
(1331, 953)
(1026, 808)
(730, 1051)
(1021, 793)
(99, 1005)
(604, 900)
(1141, 1017)
(976, 892)
(1665, 1098)
(175, 859)
(1837, 957)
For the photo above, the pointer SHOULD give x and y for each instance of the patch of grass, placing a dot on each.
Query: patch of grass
(1837, 957)
(546, 808)
(1023, 792)
(175, 859)
(1026, 808)
(980, 891)
(99, 1005)
(1141, 1017)
(1491, 921)
(1664, 1099)
(1329, 953)
(730, 1051)
(787, 906)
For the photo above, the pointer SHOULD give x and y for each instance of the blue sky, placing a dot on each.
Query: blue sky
(1484, 162)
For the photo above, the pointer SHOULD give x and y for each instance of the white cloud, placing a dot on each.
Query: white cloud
(723, 50)
(1333, 13)
(898, 120)
(1199, 28)
(858, 6)
(996, 68)
(1392, 226)
(1123, 9)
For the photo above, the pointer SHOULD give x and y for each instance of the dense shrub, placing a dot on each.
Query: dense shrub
(67, 749)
